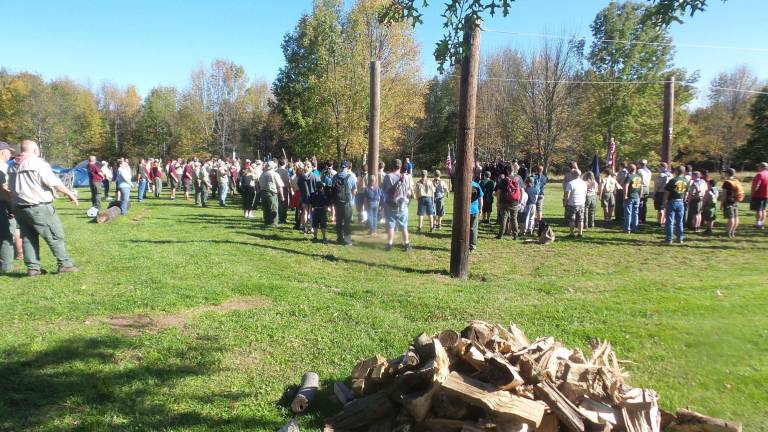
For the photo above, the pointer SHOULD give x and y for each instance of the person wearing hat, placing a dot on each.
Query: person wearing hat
(95, 180)
(7, 221)
(344, 191)
(271, 189)
(425, 192)
(441, 191)
(32, 183)
(759, 195)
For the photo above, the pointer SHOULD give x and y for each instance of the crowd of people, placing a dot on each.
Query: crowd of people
(316, 194)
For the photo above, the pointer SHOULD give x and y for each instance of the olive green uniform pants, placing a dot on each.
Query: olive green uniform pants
(41, 221)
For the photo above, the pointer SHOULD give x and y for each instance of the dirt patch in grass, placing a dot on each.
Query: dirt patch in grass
(136, 325)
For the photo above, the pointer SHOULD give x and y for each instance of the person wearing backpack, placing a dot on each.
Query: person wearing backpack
(733, 194)
(697, 189)
(397, 192)
(425, 194)
(488, 186)
(509, 194)
(344, 190)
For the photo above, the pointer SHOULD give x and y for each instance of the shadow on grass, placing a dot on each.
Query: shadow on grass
(297, 251)
(100, 383)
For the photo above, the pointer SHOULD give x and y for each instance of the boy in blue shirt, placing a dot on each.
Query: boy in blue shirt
(474, 213)
(319, 200)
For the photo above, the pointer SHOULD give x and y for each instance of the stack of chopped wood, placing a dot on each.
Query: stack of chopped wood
(490, 378)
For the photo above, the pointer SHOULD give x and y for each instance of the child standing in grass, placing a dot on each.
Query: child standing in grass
(320, 201)
(373, 197)
(530, 206)
(709, 207)
(591, 204)
(733, 194)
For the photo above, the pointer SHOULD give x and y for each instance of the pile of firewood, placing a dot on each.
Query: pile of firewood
(490, 378)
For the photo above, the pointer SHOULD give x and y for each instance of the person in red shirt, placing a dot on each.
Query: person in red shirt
(95, 179)
(760, 194)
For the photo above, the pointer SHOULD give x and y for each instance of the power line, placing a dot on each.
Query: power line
(613, 83)
(630, 42)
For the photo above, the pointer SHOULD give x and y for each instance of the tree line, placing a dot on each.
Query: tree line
(543, 106)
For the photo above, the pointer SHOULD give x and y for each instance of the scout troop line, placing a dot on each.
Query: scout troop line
(318, 194)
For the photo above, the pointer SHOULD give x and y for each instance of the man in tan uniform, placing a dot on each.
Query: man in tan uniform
(32, 183)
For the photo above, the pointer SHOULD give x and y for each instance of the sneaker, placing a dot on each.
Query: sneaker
(72, 269)
(680, 241)
(497, 237)
(325, 241)
(34, 273)
(388, 247)
(472, 248)
(407, 247)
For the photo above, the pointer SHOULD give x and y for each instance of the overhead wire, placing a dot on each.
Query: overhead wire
(630, 42)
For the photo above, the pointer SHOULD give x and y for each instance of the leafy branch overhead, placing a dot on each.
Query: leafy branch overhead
(460, 14)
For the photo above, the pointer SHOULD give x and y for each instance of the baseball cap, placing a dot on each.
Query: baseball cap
(5, 146)
(346, 164)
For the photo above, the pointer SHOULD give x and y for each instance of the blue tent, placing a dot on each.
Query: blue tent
(80, 172)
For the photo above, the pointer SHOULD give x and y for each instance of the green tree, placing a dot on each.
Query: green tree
(158, 122)
(756, 148)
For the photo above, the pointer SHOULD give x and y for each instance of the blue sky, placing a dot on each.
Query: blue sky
(150, 43)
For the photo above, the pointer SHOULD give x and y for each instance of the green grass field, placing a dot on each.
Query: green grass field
(197, 319)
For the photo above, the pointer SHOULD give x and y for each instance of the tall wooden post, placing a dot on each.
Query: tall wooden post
(669, 111)
(465, 150)
(373, 118)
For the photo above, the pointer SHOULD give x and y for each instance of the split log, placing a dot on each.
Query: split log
(442, 425)
(579, 380)
(449, 407)
(291, 426)
(568, 414)
(363, 412)
(449, 339)
(549, 423)
(501, 373)
(479, 332)
(424, 347)
(496, 402)
(362, 382)
(383, 425)
(108, 215)
(690, 421)
(599, 413)
(513, 427)
(306, 393)
(640, 410)
(419, 406)
(343, 393)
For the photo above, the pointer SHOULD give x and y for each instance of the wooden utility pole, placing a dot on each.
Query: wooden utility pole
(669, 111)
(373, 118)
(465, 150)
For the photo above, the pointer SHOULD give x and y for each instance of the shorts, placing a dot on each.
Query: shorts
(187, 183)
(709, 213)
(440, 207)
(426, 207)
(395, 218)
(731, 211)
(658, 201)
(173, 182)
(608, 200)
(319, 218)
(757, 204)
(487, 205)
(695, 206)
(574, 213)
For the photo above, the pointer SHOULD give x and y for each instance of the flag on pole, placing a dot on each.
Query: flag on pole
(596, 168)
(448, 161)
(610, 158)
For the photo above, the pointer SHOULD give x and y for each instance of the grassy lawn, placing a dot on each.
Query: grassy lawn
(197, 319)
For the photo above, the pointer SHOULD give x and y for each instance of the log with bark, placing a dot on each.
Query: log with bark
(489, 378)
(306, 392)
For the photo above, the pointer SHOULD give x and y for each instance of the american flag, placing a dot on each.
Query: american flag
(448, 161)
(610, 158)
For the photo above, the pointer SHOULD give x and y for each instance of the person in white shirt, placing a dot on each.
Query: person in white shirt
(574, 198)
(659, 185)
(645, 175)
(124, 185)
